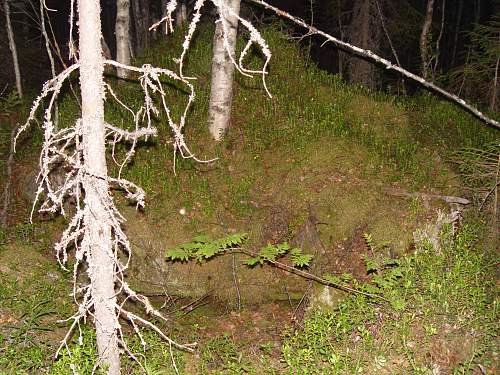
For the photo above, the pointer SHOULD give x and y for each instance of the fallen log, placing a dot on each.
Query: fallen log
(398, 192)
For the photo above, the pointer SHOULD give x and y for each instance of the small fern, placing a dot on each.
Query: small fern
(203, 247)
(271, 253)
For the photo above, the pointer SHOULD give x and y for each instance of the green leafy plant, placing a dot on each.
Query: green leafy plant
(9, 102)
(222, 355)
(25, 232)
(203, 247)
(80, 356)
(427, 293)
(272, 253)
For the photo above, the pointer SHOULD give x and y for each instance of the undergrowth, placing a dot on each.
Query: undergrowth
(431, 300)
(447, 296)
(446, 322)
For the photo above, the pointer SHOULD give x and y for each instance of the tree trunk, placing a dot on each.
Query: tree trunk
(221, 91)
(181, 14)
(364, 32)
(424, 39)
(163, 26)
(494, 90)
(140, 10)
(97, 237)
(457, 30)
(13, 49)
(122, 35)
(440, 36)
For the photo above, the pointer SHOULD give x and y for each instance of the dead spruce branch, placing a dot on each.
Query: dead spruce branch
(64, 148)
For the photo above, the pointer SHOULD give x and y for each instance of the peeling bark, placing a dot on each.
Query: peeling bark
(221, 92)
(97, 237)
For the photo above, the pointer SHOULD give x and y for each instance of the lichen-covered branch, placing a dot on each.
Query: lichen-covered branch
(388, 65)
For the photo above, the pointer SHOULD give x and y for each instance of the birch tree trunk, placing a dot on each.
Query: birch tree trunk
(122, 31)
(13, 49)
(97, 236)
(221, 91)
(424, 39)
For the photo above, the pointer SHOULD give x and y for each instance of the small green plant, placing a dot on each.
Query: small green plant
(271, 253)
(428, 293)
(25, 232)
(9, 102)
(3, 237)
(80, 356)
(203, 248)
(220, 354)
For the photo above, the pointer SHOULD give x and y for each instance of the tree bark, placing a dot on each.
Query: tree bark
(181, 14)
(364, 31)
(494, 93)
(140, 10)
(97, 237)
(122, 31)
(457, 29)
(13, 49)
(221, 91)
(424, 39)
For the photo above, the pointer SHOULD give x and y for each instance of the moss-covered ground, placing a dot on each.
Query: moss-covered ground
(318, 148)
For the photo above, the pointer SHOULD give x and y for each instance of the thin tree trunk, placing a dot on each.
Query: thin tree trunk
(221, 91)
(97, 237)
(341, 33)
(441, 32)
(457, 29)
(4, 216)
(49, 54)
(139, 42)
(181, 14)
(163, 27)
(140, 10)
(122, 35)
(494, 94)
(13, 49)
(424, 39)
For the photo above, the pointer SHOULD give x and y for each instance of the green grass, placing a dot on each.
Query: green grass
(448, 317)
(283, 150)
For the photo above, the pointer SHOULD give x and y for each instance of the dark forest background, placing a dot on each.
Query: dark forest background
(463, 37)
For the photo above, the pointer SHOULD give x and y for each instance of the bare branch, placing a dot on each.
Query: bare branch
(388, 65)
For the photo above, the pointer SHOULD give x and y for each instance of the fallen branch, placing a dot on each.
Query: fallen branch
(398, 192)
(310, 276)
(388, 65)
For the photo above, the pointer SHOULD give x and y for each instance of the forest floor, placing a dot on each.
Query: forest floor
(321, 166)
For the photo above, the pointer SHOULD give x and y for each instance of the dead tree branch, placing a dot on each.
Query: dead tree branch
(425, 196)
(388, 65)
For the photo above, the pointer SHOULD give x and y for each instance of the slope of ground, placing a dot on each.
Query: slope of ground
(311, 166)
